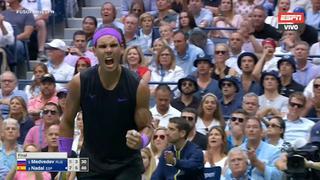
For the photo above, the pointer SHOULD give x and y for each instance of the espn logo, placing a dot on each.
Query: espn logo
(289, 21)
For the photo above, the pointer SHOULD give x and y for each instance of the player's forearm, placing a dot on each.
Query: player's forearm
(66, 129)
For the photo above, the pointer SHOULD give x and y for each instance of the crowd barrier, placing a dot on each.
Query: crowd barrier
(23, 83)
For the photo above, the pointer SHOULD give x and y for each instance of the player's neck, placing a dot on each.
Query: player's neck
(110, 79)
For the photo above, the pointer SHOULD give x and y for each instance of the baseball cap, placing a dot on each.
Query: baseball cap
(48, 78)
(288, 59)
(203, 57)
(57, 44)
(315, 133)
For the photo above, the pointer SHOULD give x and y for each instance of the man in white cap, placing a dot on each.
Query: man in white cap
(56, 51)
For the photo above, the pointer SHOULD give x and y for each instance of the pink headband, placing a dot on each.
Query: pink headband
(106, 31)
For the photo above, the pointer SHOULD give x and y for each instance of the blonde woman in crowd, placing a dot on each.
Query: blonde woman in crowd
(209, 114)
(133, 59)
(149, 163)
(159, 142)
(166, 69)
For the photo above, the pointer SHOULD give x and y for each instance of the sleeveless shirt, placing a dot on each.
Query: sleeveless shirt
(107, 116)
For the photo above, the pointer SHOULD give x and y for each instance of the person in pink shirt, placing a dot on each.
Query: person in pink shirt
(50, 115)
(47, 94)
(23, 175)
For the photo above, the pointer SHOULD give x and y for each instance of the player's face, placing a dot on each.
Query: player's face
(108, 51)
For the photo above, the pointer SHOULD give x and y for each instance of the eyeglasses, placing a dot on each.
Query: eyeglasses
(316, 86)
(226, 84)
(46, 111)
(159, 136)
(188, 118)
(187, 84)
(273, 125)
(220, 52)
(240, 120)
(292, 104)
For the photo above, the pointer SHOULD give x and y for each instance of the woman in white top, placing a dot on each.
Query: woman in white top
(166, 69)
(159, 142)
(215, 155)
(209, 114)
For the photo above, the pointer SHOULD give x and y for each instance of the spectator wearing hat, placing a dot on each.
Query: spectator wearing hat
(287, 66)
(8, 90)
(271, 102)
(187, 86)
(82, 64)
(56, 51)
(185, 53)
(267, 62)
(62, 96)
(306, 71)
(47, 94)
(79, 49)
(204, 80)
(246, 62)
(229, 101)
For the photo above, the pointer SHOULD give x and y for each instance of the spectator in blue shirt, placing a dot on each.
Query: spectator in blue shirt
(182, 160)
(185, 53)
(8, 90)
(262, 155)
(202, 16)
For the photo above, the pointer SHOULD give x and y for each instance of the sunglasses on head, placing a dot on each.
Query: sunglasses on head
(220, 52)
(159, 136)
(188, 118)
(237, 119)
(52, 112)
(292, 104)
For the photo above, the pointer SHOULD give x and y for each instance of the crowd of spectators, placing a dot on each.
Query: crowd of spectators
(227, 100)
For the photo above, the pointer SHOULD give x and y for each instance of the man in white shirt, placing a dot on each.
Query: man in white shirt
(297, 127)
(163, 111)
(56, 51)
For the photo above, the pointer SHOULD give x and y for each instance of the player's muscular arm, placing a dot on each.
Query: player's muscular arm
(143, 116)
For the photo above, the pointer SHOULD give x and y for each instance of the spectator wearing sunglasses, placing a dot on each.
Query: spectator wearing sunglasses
(296, 125)
(50, 115)
(235, 128)
(221, 55)
(187, 86)
(191, 115)
(159, 142)
(230, 100)
(47, 94)
(275, 131)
